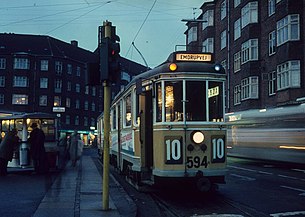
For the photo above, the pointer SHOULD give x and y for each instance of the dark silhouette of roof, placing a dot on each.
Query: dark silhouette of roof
(42, 45)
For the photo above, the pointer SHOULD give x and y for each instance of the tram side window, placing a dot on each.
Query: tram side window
(215, 101)
(173, 101)
(195, 101)
(128, 110)
(113, 119)
(159, 103)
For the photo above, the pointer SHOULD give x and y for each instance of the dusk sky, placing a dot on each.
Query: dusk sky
(155, 27)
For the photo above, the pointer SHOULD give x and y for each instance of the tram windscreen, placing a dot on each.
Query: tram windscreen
(203, 101)
(195, 101)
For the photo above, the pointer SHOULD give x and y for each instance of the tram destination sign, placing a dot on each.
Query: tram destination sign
(194, 57)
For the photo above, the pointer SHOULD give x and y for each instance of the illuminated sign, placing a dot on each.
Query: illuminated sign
(59, 109)
(213, 92)
(194, 57)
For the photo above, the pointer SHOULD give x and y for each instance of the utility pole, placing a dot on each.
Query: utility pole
(109, 70)
(107, 95)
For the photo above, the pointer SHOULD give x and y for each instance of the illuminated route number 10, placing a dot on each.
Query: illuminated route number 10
(173, 150)
(218, 149)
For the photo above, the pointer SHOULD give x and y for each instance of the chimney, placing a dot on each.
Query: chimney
(74, 43)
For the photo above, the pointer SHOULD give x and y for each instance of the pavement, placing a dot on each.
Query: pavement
(77, 192)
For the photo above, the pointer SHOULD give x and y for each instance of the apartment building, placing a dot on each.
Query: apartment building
(39, 73)
(261, 45)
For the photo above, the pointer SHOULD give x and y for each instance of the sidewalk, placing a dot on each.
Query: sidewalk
(77, 192)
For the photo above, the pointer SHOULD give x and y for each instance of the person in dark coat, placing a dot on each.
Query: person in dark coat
(75, 148)
(38, 152)
(7, 147)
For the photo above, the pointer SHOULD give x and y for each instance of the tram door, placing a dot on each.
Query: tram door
(146, 128)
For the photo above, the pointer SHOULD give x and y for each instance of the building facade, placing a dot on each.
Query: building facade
(43, 74)
(261, 45)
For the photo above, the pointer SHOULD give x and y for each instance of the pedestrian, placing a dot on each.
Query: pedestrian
(76, 148)
(7, 147)
(38, 152)
(62, 147)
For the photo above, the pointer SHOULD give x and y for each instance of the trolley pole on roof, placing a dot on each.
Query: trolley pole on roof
(107, 95)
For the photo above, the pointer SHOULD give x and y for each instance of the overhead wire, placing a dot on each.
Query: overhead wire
(132, 43)
(70, 21)
(44, 16)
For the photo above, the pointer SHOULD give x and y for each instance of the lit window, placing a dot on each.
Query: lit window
(20, 99)
(57, 101)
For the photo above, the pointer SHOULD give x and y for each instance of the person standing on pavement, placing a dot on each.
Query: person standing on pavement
(7, 147)
(76, 148)
(38, 152)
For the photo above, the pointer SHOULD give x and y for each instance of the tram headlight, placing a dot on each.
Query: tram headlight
(173, 67)
(217, 67)
(197, 137)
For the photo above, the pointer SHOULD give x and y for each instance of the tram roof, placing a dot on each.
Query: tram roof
(37, 115)
(187, 67)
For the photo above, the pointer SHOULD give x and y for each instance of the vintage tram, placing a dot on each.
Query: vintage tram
(22, 122)
(168, 123)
